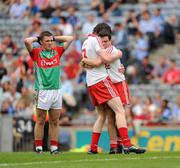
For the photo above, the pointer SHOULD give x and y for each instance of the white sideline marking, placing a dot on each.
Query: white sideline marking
(86, 160)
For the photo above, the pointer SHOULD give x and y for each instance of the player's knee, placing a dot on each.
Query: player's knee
(40, 122)
(102, 118)
(54, 122)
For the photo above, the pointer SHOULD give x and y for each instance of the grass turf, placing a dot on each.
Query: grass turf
(83, 160)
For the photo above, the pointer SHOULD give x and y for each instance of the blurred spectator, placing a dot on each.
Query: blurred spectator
(148, 27)
(12, 95)
(65, 27)
(67, 3)
(88, 26)
(34, 30)
(138, 115)
(169, 31)
(176, 111)
(151, 110)
(165, 111)
(7, 108)
(33, 8)
(160, 67)
(29, 83)
(8, 43)
(78, 45)
(8, 58)
(71, 69)
(68, 91)
(111, 6)
(5, 88)
(72, 18)
(172, 74)
(96, 5)
(26, 60)
(24, 108)
(65, 118)
(121, 40)
(132, 74)
(45, 7)
(4, 8)
(73, 54)
(158, 19)
(18, 10)
(3, 70)
(141, 47)
(55, 19)
(146, 71)
(132, 22)
(107, 20)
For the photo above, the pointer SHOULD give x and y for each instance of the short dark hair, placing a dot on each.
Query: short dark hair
(104, 33)
(45, 33)
(118, 24)
(101, 26)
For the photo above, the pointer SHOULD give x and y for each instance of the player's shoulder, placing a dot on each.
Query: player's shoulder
(93, 37)
(58, 47)
(96, 40)
(36, 50)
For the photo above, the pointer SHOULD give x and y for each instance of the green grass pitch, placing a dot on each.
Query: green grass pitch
(83, 160)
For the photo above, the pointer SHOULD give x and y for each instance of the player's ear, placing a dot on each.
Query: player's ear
(39, 40)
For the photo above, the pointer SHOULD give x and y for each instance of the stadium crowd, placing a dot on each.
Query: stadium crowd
(138, 31)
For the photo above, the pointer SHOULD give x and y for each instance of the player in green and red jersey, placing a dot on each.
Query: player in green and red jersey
(46, 60)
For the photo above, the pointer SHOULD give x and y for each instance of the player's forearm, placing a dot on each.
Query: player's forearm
(28, 42)
(108, 58)
(64, 38)
(93, 62)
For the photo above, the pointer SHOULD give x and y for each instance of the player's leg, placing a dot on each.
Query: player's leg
(54, 115)
(41, 110)
(111, 126)
(97, 129)
(39, 129)
(123, 90)
(116, 105)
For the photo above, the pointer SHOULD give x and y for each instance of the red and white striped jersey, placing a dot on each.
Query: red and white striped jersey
(89, 50)
(114, 67)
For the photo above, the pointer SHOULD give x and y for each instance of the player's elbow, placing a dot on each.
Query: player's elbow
(27, 41)
(71, 38)
(120, 54)
(107, 59)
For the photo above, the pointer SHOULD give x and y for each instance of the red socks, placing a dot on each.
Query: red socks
(38, 143)
(113, 143)
(124, 136)
(53, 143)
(94, 141)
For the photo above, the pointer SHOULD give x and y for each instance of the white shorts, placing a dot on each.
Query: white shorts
(49, 99)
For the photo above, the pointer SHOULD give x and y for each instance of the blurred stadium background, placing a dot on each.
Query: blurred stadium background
(148, 33)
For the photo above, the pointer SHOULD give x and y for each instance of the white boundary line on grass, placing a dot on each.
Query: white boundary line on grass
(86, 160)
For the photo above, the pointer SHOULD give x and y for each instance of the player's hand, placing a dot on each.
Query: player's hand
(121, 69)
(120, 53)
(84, 65)
(87, 66)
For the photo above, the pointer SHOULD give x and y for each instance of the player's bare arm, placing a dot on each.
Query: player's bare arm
(84, 65)
(94, 62)
(28, 43)
(66, 39)
(107, 57)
